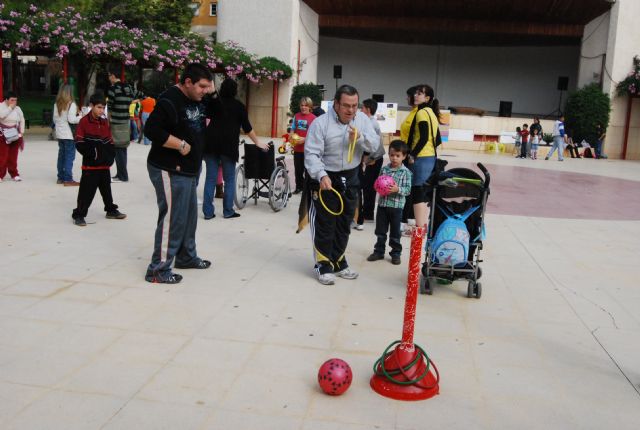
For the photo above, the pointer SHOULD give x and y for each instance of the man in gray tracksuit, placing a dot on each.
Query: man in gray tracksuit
(332, 163)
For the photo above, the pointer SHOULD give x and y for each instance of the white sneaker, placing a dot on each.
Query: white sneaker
(17, 179)
(347, 274)
(359, 227)
(115, 180)
(326, 278)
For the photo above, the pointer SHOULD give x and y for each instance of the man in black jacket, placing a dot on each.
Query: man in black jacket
(176, 129)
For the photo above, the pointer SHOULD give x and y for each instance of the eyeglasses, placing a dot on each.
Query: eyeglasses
(348, 106)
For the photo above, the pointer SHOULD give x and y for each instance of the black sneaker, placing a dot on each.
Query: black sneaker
(395, 260)
(235, 215)
(200, 264)
(375, 257)
(80, 222)
(115, 215)
(170, 278)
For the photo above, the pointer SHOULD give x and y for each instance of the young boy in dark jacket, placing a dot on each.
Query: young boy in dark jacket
(94, 142)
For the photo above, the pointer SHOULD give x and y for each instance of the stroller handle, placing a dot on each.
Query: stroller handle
(487, 175)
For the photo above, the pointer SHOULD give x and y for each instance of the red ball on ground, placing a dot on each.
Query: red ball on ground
(335, 376)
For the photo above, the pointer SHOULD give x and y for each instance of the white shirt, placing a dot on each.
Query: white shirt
(62, 121)
(11, 117)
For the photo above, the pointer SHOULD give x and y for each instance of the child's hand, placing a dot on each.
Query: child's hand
(394, 189)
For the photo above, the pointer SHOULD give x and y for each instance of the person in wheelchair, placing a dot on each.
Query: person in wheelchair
(333, 151)
(228, 115)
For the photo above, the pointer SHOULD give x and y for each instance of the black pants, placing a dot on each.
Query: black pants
(298, 165)
(524, 149)
(121, 164)
(371, 173)
(573, 150)
(330, 233)
(90, 181)
(388, 219)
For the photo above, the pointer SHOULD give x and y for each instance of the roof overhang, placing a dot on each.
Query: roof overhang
(459, 22)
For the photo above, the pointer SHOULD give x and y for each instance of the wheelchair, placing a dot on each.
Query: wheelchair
(269, 174)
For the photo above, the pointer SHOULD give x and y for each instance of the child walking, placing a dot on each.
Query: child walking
(535, 141)
(389, 212)
(94, 142)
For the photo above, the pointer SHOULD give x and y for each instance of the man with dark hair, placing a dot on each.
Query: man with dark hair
(176, 130)
(332, 155)
(119, 98)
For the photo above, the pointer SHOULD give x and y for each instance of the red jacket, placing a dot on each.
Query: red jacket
(94, 142)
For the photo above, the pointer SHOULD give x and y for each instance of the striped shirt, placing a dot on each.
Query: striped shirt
(119, 97)
(402, 176)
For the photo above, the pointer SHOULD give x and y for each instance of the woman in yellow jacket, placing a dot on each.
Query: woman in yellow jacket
(420, 132)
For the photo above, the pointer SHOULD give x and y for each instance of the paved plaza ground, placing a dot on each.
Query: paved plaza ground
(86, 343)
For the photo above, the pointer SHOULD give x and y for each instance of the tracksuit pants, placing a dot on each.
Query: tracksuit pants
(330, 232)
(175, 236)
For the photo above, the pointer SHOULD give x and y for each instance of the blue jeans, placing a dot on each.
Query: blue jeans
(133, 126)
(145, 117)
(421, 170)
(66, 155)
(212, 162)
(558, 144)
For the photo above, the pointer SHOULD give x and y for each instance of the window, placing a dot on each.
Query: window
(213, 9)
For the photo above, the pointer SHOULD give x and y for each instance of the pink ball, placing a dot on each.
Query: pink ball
(335, 376)
(383, 183)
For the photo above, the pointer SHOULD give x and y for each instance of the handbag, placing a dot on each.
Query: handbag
(10, 134)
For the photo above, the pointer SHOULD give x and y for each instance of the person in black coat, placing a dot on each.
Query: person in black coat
(222, 135)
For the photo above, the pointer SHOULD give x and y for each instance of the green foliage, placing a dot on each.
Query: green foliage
(547, 137)
(585, 109)
(306, 89)
(631, 84)
(169, 16)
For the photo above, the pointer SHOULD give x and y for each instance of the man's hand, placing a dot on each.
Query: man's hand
(325, 183)
(184, 150)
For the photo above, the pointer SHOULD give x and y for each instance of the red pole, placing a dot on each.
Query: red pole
(176, 76)
(1, 77)
(65, 69)
(406, 373)
(627, 124)
(274, 110)
(413, 279)
(122, 72)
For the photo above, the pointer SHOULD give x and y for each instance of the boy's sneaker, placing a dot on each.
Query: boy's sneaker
(199, 264)
(347, 274)
(169, 278)
(115, 215)
(375, 257)
(326, 278)
(395, 260)
(80, 222)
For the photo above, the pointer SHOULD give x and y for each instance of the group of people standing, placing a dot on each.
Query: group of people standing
(335, 147)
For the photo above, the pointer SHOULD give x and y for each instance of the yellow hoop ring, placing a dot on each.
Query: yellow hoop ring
(325, 206)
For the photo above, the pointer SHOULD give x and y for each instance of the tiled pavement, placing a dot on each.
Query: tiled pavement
(86, 343)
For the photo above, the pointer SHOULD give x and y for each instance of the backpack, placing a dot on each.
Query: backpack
(451, 241)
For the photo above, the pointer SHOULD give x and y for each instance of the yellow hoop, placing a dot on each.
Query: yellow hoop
(325, 206)
(352, 145)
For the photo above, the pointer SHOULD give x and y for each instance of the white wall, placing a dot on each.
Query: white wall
(463, 76)
(594, 49)
(309, 35)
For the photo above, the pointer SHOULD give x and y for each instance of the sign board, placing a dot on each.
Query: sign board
(386, 115)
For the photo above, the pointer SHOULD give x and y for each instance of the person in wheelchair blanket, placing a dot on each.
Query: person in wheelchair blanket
(332, 154)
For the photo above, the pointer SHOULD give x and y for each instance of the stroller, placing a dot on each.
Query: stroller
(460, 194)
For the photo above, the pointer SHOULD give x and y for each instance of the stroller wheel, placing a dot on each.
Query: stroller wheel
(474, 289)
